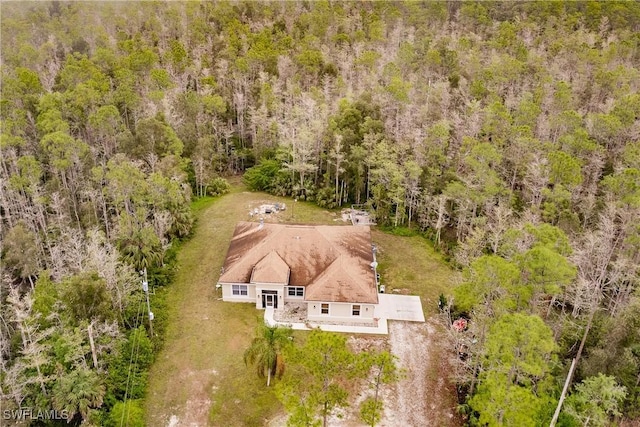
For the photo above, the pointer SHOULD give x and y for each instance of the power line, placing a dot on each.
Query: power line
(136, 343)
(127, 411)
(126, 390)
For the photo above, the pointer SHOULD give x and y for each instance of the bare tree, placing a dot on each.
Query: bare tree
(498, 222)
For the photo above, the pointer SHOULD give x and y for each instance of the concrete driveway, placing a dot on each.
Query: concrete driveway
(399, 307)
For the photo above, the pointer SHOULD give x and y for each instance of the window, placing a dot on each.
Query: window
(355, 310)
(296, 292)
(239, 289)
(324, 308)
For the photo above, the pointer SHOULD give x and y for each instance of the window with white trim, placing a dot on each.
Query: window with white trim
(355, 310)
(295, 292)
(239, 290)
(324, 308)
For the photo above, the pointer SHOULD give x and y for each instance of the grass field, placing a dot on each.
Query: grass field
(411, 265)
(199, 377)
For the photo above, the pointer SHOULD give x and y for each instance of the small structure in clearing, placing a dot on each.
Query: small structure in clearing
(267, 209)
(358, 215)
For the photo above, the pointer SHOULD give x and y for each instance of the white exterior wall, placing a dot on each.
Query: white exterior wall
(227, 293)
(259, 287)
(340, 312)
(254, 293)
(293, 298)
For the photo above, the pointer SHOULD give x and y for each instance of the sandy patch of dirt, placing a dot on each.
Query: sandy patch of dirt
(195, 412)
(419, 399)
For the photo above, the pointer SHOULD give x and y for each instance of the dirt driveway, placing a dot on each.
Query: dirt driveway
(424, 397)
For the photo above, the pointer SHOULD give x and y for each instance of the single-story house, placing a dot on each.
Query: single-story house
(331, 269)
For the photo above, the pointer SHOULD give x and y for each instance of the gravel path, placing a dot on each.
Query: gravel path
(403, 403)
(420, 398)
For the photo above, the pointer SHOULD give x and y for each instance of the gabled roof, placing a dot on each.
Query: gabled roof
(271, 269)
(339, 283)
(308, 251)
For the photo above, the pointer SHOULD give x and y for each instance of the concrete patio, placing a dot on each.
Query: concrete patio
(391, 307)
(399, 307)
(380, 329)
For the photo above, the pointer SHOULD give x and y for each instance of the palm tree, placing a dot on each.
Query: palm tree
(77, 392)
(140, 247)
(265, 350)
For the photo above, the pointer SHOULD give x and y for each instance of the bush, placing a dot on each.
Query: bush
(131, 412)
(325, 198)
(129, 367)
(218, 186)
(161, 275)
(262, 176)
(399, 231)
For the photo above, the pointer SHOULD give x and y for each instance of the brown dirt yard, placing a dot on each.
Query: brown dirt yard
(418, 347)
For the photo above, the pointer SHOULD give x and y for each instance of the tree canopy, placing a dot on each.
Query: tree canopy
(505, 132)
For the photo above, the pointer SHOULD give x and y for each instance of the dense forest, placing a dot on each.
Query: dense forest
(508, 133)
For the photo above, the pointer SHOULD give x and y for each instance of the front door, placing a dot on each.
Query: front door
(270, 299)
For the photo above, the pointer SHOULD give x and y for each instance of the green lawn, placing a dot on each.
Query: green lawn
(411, 265)
(199, 376)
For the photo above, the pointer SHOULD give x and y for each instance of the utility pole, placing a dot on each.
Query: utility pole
(145, 288)
(293, 209)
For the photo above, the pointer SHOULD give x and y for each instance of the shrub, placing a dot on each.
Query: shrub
(218, 186)
(262, 176)
(325, 198)
(129, 367)
(130, 412)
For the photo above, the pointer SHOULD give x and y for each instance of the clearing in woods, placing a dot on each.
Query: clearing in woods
(199, 377)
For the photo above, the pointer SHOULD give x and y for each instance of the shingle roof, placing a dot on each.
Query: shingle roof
(333, 262)
(270, 269)
(341, 283)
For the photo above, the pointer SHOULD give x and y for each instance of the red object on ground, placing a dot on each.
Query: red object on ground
(459, 324)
